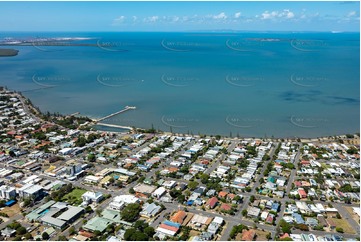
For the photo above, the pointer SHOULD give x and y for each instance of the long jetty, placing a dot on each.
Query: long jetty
(116, 113)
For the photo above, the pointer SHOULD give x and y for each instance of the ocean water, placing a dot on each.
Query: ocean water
(246, 84)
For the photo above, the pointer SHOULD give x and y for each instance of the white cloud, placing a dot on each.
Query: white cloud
(120, 19)
(286, 13)
(237, 15)
(134, 18)
(175, 19)
(151, 19)
(351, 14)
(220, 16)
(268, 15)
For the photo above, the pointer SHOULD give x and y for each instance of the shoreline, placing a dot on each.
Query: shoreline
(136, 129)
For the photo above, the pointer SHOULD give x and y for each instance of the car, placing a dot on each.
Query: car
(337, 237)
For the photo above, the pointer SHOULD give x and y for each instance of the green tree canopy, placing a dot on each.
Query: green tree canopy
(131, 212)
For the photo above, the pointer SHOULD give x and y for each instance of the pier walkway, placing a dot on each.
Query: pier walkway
(98, 121)
(116, 113)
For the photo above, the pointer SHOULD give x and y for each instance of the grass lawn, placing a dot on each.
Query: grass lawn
(74, 197)
(11, 211)
(343, 224)
(261, 235)
(193, 233)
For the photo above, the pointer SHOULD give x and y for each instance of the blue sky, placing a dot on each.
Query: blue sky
(179, 16)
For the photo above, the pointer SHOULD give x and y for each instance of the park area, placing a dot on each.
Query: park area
(74, 197)
(11, 211)
(341, 223)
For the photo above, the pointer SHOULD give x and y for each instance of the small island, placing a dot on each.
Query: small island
(8, 52)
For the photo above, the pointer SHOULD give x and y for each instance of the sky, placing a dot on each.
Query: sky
(180, 16)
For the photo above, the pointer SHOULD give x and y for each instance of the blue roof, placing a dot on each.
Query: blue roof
(167, 222)
(190, 202)
(298, 218)
(275, 206)
(9, 203)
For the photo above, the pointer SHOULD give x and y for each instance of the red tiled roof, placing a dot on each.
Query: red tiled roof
(164, 226)
(222, 194)
(231, 196)
(285, 235)
(178, 217)
(226, 207)
(212, 202)
(248, 235)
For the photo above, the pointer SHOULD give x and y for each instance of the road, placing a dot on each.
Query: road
(221, 157)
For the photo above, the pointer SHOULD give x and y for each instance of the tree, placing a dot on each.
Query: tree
(286, 227)
(285, 239)
(303, 227)
(62, 238)
(131, 190)
(2, 203)
(134, 235)
(12, 153)
(28, 236)
(204, 178)
(21, 230)
(192, 185)
(71, 230)
(14, 225)
(91, 158)
(181, 198)
(339, 229)
(251, 199)
(237, 198)
(149, 231)
(45, 236)
(131, 212)
(244, 212)
(139, 236)
(140, 225)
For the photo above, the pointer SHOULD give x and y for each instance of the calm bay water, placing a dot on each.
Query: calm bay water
(251, 84)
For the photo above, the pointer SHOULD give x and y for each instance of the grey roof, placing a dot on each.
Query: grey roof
(53, 221)
(151, 209)
(97, 223)
(70, 213)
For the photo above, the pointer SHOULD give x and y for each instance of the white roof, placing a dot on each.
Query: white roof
(199, 219)
(33, 189)
(126, 199)
(92, 178)
(218, 220)
(160, 191)
(166, 231)
(92, 195)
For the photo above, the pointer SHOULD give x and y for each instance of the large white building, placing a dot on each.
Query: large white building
(90, 197)
(30, 190)
(120, 201)
(7, 192)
